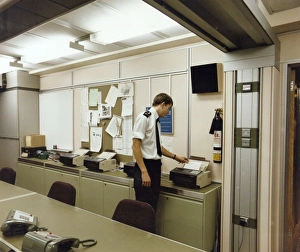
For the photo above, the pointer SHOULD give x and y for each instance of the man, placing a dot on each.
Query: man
(147, 150)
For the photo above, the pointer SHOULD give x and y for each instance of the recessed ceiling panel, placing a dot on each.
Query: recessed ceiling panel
(26, 14)
(274, 6)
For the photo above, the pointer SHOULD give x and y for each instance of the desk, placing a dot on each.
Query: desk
(68, 221)
(8, 191)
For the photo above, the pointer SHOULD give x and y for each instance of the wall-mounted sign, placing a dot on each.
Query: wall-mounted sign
(166, 122)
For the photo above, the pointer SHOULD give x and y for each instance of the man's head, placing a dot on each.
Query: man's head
(162, 103)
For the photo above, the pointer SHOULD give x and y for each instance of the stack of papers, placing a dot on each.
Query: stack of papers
(196, 165)
(106, 155)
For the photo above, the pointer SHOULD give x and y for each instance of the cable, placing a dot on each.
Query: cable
(242, 240)
(88, 242)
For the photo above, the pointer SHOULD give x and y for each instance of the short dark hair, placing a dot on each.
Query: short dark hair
(162, 97)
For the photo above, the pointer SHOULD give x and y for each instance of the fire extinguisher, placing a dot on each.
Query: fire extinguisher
(216, 129)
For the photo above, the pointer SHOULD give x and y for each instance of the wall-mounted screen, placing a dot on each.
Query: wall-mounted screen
(204, 78)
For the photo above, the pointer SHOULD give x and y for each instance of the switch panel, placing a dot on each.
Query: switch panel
(246, 132)
(246, 142)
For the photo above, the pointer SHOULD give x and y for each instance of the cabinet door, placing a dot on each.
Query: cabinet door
(30, 177)
(91, 195)
(112, 195)
(52, 176)
(182, 220)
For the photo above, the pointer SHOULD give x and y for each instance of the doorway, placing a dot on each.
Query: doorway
(292, 174)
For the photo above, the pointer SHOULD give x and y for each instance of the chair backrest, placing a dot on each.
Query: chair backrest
(63, 192)
(135, 213)
(8, 175)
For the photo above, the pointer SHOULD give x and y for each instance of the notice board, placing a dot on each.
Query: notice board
(107, 143)
(116, 111)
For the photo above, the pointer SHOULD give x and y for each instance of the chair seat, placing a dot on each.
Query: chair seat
(135, 213)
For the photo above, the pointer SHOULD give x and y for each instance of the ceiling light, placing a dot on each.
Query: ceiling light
(49, 51)
(138, 20)
(76, 46)
(16, 64)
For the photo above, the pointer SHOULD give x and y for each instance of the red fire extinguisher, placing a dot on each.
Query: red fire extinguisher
(216, 129)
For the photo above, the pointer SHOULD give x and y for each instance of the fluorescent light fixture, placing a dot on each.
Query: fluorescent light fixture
(16, 64)
(49, 51)
(4, 65)
(138, 20)
(76, 46)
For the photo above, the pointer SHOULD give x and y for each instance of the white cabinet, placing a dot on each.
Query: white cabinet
(190, 220)
(101, 192)
(55, 175)
(91, 195)
(112, 195)
(31, 177)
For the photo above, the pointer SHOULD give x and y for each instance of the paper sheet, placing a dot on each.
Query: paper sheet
(127, 104)
(106, 155)
(81, 152)
(112, 96)
(93, 97)
(196, 165)
(104, 111)
(126, 89)
(93, 117)
(95, 138)
(114, 126)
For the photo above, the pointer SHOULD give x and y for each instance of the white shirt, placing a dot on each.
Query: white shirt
(144, 129)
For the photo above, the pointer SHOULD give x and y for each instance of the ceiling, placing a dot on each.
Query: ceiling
(31, 29)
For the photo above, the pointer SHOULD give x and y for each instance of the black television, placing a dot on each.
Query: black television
(204, 78)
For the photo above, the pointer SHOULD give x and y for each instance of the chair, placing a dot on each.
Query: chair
(63, 192)
(135, 213)
(8, 175)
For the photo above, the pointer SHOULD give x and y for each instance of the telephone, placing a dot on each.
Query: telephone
(18, 222)
(44, 241)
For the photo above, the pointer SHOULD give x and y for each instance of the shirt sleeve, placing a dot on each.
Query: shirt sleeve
(140, 126)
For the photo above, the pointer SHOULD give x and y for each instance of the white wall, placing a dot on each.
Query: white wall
(162, 71)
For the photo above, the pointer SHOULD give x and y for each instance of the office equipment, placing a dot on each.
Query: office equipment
(8, 175)
(31, 152)
(204, 78)
(129, 168)
(73, 159)
(135, 213)
(18, 222)
(63, 192)
(193, 175)
(43, 241)
(99, 164)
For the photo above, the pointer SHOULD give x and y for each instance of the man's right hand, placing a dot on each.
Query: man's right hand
(146, 181)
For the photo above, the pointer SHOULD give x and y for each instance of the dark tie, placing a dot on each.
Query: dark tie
(157, 138)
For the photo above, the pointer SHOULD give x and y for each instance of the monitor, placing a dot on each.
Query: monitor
(204, 78)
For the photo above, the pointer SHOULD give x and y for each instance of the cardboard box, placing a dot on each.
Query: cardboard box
(35, 140)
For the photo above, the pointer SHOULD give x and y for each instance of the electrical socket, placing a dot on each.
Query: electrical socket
(244, 221)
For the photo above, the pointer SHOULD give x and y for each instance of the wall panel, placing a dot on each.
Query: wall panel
(155, 64)
(96, 73)
(58, 80)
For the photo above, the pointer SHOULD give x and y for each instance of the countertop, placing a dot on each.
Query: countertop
(118, 176)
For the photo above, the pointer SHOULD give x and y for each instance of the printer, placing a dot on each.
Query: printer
(192, 175)
(73, 159)
(99, 164)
